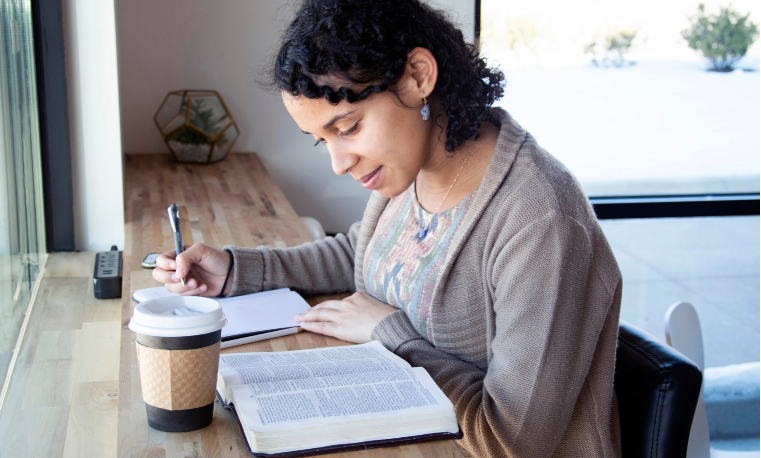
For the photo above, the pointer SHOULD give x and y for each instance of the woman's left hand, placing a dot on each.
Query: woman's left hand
(351, 319)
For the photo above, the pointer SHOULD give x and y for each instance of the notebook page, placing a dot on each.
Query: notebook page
(256, 312)
(142, 295)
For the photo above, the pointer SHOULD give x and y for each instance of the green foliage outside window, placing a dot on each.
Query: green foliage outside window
(619, 45)
(723, 39)
(614, 50)
(520, 33)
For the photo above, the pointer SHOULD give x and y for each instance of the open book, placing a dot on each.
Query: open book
(252, 317)
(332, 399)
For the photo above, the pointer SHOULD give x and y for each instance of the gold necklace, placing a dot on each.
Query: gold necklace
(424, 227)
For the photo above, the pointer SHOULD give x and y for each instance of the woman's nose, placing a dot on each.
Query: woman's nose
(341, 160)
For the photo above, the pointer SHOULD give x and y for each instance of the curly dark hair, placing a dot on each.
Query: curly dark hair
(367, 42)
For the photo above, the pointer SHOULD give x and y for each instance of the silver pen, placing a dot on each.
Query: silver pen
(174, 219)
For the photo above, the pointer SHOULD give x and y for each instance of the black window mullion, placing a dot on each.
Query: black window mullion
(47, 21)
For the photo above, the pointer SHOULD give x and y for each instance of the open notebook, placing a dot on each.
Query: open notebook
(252, 317)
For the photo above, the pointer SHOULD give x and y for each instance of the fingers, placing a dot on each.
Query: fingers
(170, 276)
(321, 319)
(162, 275)
(319, 313)
(166, 260)
(185, 259)
(190, 282)
(195, 291)
(351, 319)
(193, 254)
(192, 286)
(321, 327)
(324, 311)
(181, 263)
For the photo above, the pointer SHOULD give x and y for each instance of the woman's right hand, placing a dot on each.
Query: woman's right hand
(204, 268)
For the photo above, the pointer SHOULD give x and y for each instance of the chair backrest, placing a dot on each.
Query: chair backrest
(657, 389)
(313, 227)
(682, 327)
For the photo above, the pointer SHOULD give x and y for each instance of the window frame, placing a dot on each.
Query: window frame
(55, 148)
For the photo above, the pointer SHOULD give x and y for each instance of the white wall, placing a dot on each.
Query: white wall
(93, 96)
(183, 44)
(462, 12)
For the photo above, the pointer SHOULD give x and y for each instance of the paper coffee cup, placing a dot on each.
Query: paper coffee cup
(177, 342)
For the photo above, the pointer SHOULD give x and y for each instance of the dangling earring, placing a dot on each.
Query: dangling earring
(426, 110)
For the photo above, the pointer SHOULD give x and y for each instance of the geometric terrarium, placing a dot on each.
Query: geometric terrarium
(196, 126)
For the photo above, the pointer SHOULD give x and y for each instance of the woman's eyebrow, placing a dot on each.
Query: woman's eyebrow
(333, 121)
(338, 118)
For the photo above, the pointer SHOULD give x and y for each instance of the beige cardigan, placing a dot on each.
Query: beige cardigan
(524, 314)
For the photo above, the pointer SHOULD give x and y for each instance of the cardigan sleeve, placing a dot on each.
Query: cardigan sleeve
(549, 310)
(321, 267)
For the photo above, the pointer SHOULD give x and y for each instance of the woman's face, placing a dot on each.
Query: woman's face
(381, 143)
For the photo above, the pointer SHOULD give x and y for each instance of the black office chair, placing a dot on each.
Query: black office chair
(657, 390)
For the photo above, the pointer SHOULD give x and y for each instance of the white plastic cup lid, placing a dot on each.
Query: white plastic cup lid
(177, 316)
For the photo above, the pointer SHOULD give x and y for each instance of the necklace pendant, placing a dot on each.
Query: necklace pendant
(422, 233)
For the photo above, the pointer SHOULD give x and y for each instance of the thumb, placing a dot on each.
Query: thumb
(187, 258)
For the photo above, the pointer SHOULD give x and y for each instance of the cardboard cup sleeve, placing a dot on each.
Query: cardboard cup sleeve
(178, 379)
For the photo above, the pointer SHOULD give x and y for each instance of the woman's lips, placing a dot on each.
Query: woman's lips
(371, 180)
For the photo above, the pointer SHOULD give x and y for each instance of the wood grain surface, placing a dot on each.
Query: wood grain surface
(64, 391)
(234, 201)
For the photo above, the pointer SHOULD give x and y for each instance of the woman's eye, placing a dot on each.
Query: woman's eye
(350, 131)
(343, 134)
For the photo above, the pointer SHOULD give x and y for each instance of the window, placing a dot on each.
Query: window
(22, 244)
(639, 121)
(613, 90)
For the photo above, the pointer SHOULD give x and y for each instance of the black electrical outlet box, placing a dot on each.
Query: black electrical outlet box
(107, 278)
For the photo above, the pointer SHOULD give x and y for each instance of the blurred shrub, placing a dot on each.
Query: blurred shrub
(619, 45)
(520, 33)
(515, 33)
(613, 50)
(590, 49)
(723, 39)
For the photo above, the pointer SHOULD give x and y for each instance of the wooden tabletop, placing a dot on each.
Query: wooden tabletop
(75, 389)
(64, 390)
(235, 202)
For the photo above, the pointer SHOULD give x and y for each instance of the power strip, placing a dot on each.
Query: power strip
(107, 277)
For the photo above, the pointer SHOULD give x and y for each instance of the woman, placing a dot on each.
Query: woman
(478, 257)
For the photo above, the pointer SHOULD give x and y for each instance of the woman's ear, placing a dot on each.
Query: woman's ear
(421, 72)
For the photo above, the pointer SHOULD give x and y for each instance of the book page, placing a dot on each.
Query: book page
(362, 378)
(322, 400)
(269, 367)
